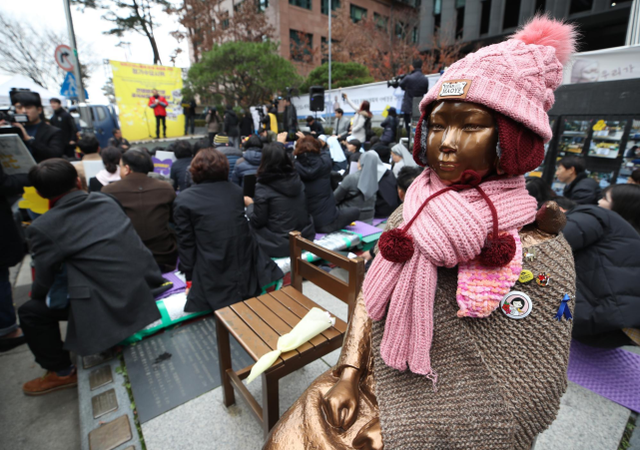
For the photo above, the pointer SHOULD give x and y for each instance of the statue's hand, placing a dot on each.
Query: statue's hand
(340, 403)
(370, 437)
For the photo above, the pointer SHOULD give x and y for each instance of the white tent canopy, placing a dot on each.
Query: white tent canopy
(22, 82)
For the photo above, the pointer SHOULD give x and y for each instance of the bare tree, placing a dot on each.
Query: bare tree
(130, 15)
(206, 24)
(30, 52)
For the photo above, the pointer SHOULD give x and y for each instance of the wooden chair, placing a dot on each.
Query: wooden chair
(257, 324)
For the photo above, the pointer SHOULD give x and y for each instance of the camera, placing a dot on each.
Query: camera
(395, 81)
(9, 116)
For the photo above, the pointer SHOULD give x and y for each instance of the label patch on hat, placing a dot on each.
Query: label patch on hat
(454, 89)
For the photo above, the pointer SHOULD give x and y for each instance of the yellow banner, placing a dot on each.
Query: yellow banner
(133, 84)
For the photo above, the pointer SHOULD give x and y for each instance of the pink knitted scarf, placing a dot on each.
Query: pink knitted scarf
(450, 231)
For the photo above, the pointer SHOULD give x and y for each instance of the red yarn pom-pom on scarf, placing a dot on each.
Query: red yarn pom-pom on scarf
(396, 245)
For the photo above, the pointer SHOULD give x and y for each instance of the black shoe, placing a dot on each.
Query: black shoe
(7, 344)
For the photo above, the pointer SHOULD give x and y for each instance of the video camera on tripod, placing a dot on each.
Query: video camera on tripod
(395, 81)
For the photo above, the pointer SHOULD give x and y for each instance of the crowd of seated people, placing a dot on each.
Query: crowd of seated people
(127, 225)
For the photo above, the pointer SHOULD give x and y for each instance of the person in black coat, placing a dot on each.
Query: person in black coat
(579, 187)
(416, 84)
(390, 125)
(217, 250)
(279, 205)
(232, 125)
(180, 166)
(314, 167)
(62, 119)
(315, 127)
(42, 140)
(12, 250)
(246, 125)
(250, 161)
(110, 276)
(606, 249)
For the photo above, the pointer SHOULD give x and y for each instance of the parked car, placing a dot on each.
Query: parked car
(104, 118)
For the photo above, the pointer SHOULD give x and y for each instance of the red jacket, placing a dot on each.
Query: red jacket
(159, 110)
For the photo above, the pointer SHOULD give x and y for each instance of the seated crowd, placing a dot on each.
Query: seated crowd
(224, 213)
(109, 238)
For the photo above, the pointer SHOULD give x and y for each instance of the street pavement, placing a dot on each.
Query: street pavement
(585, 420)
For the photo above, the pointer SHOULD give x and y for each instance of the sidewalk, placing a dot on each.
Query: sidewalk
(49, 422)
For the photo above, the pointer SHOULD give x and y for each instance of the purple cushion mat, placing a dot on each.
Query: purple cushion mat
(178, 285)
(363, 229)
(611, 373)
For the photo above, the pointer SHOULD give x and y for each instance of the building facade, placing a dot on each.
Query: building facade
(476, 23)
(301, 24)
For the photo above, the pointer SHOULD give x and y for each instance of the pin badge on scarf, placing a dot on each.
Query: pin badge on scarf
(526, 276)
(516, 305)
(564, 310)
(530, 255)
(543, 279)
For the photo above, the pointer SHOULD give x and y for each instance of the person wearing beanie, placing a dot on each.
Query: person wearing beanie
(424, 363)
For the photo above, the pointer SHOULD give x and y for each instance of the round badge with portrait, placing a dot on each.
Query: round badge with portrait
(516, 305)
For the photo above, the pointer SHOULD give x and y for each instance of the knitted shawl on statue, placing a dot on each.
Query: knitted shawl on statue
(500, 380)
(451, 231)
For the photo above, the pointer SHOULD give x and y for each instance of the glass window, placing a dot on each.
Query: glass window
(301, 3)
(573, 137)
(324, 7)
(400, 30)
(571, 143)
(300, 45)
(437, 7)
(578, 6)
(380, 20)
(225, 20)
(262, 5)
(357, 13)
(459, 22)
(102, 113)
(511, 14)
(631, 155)
(485, 16)
(606, 137)
(414, 35)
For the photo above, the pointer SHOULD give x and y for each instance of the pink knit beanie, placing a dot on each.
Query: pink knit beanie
(515, 78)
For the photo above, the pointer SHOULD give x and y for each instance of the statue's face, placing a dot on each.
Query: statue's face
(461, 136)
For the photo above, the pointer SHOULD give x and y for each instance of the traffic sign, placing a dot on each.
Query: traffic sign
(64, 57)
(69, 87)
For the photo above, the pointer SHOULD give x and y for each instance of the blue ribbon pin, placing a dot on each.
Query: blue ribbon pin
(564, 309)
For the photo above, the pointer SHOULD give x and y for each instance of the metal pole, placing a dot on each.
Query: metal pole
(330, 103)
(633, 28)
(85, 114)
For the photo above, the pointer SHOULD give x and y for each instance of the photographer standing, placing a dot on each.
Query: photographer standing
(62, 119)
(42, 140)
(416, 84)
(290, 117)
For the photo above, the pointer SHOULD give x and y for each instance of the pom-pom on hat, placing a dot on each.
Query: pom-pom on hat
(516, 78)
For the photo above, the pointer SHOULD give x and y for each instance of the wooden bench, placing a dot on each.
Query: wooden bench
(257, 324)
